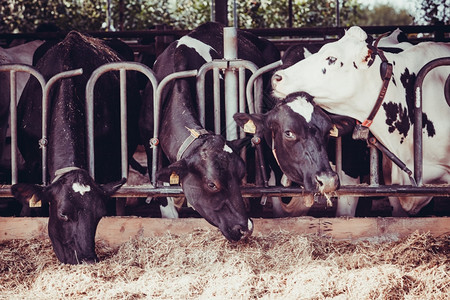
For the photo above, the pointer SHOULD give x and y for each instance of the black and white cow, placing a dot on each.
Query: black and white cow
(209, 167)
(77, 202)
(297, 131)
(355, 156)
(344, 78)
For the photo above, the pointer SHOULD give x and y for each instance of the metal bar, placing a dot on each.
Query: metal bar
(230, 52)
(123, 123)
(13, 68)
(13, 124)
(276, 191)
(373, 169)
(250, 85)
(114, 66)
(216, 91)
(418, 147)
(157, 112)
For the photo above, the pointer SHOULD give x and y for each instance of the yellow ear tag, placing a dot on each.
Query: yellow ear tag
(174, 178)
(34, 202)
(334, 132)
(250, 127)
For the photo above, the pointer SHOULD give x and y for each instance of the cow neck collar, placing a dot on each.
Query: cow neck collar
(60, 172)
(361, 130)
(194, 134)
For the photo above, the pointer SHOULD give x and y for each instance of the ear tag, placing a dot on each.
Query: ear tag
(334, 132)
(34, 202)
(250, 127)
(174, 178)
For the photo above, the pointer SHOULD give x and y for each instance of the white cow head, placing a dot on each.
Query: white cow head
(334, 75)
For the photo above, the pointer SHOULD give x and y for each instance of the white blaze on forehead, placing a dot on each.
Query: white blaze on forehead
(226, 148)
(302, 107)
(80, 188)
(202, 49)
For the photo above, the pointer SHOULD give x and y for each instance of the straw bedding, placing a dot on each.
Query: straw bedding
(203, 265)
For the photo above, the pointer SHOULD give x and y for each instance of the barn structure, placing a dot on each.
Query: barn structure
(282, 38)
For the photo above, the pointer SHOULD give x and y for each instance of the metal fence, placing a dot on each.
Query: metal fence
(248, 97)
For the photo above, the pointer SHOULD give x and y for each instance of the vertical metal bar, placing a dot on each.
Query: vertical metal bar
(216, 88)
(339, 155)
(13, 113)
(418, 150)
(123, 123)
(242, 100)
(373, 170)
(230, 52)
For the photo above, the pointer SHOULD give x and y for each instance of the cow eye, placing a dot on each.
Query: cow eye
(288, 134)
(212, 186)
(331, 60)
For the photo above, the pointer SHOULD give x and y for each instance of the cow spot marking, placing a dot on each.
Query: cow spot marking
(80, 188)
(226, 148)
(202, 49)
(302, 107)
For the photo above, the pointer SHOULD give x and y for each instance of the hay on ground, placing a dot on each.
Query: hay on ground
(203, 265)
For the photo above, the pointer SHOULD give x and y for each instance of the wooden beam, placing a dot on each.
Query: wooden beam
(117, 230)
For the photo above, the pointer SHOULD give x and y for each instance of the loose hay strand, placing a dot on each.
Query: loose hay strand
(203, 265)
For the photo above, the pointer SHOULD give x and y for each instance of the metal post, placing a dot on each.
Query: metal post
(230, 52)
(123, 122)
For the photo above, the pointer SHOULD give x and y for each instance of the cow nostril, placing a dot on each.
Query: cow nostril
(277, 78)
(327, 182)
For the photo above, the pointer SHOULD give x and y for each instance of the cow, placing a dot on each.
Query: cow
(209, 168)
(355, 156)
(21, 54)
(346, 77)
(297, 131)
(77, 202)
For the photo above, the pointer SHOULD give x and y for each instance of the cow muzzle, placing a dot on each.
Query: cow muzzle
(327, 182)
(277, 80)
(240, 232)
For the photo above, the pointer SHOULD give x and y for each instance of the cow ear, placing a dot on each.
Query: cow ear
(112, 187)
(29, 195)
(341, 125)
(251, 123)
(177, 169)
(238, 144)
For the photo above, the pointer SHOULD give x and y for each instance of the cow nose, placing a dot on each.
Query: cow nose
(327, 182)
(245, 231)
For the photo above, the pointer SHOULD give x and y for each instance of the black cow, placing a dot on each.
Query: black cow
(77, 202)
(209, 167)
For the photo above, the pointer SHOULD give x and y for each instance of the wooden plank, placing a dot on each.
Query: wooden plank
(117, 230)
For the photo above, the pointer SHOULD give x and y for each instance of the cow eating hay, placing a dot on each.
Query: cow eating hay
(203, 265)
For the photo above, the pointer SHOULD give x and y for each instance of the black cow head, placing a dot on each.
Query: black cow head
(77, 204)
(298, 132)
(211, 173)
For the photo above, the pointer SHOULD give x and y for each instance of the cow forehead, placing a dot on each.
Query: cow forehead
(201, 48)
(302, 107)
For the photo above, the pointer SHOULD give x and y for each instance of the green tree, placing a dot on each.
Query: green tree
(384, 15)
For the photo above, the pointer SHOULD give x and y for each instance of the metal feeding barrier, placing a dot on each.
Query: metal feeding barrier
(244, 96)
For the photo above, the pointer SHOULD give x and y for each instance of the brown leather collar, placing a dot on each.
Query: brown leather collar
(362, 130)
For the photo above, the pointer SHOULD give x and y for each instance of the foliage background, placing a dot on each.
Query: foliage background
(90, 15)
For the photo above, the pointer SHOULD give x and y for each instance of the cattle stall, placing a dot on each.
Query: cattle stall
(261, 190)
